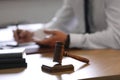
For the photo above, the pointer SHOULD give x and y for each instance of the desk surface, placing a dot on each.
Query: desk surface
(102, 63)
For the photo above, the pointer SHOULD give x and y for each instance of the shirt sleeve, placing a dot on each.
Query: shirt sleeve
(108, 38)
(60, 21)
(62, 18)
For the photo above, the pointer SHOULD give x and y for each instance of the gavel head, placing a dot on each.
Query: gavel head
(58, 52)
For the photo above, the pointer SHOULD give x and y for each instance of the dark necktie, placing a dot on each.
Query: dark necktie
(88, 14)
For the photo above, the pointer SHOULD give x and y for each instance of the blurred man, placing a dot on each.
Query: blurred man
(90, 24)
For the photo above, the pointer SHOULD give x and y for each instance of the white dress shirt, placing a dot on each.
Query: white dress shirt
(105, 32)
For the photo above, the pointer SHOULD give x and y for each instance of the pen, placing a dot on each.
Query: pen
(18, 32)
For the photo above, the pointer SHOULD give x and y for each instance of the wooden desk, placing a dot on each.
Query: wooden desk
(102, 63)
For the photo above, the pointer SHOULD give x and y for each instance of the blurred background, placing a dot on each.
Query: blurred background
(32, 11)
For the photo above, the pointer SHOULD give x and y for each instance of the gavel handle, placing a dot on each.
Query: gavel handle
(85, 60)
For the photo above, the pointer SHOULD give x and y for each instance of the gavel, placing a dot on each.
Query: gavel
(59, 53)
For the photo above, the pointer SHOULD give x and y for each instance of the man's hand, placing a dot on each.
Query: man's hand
(50, 41)
(22, 36)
